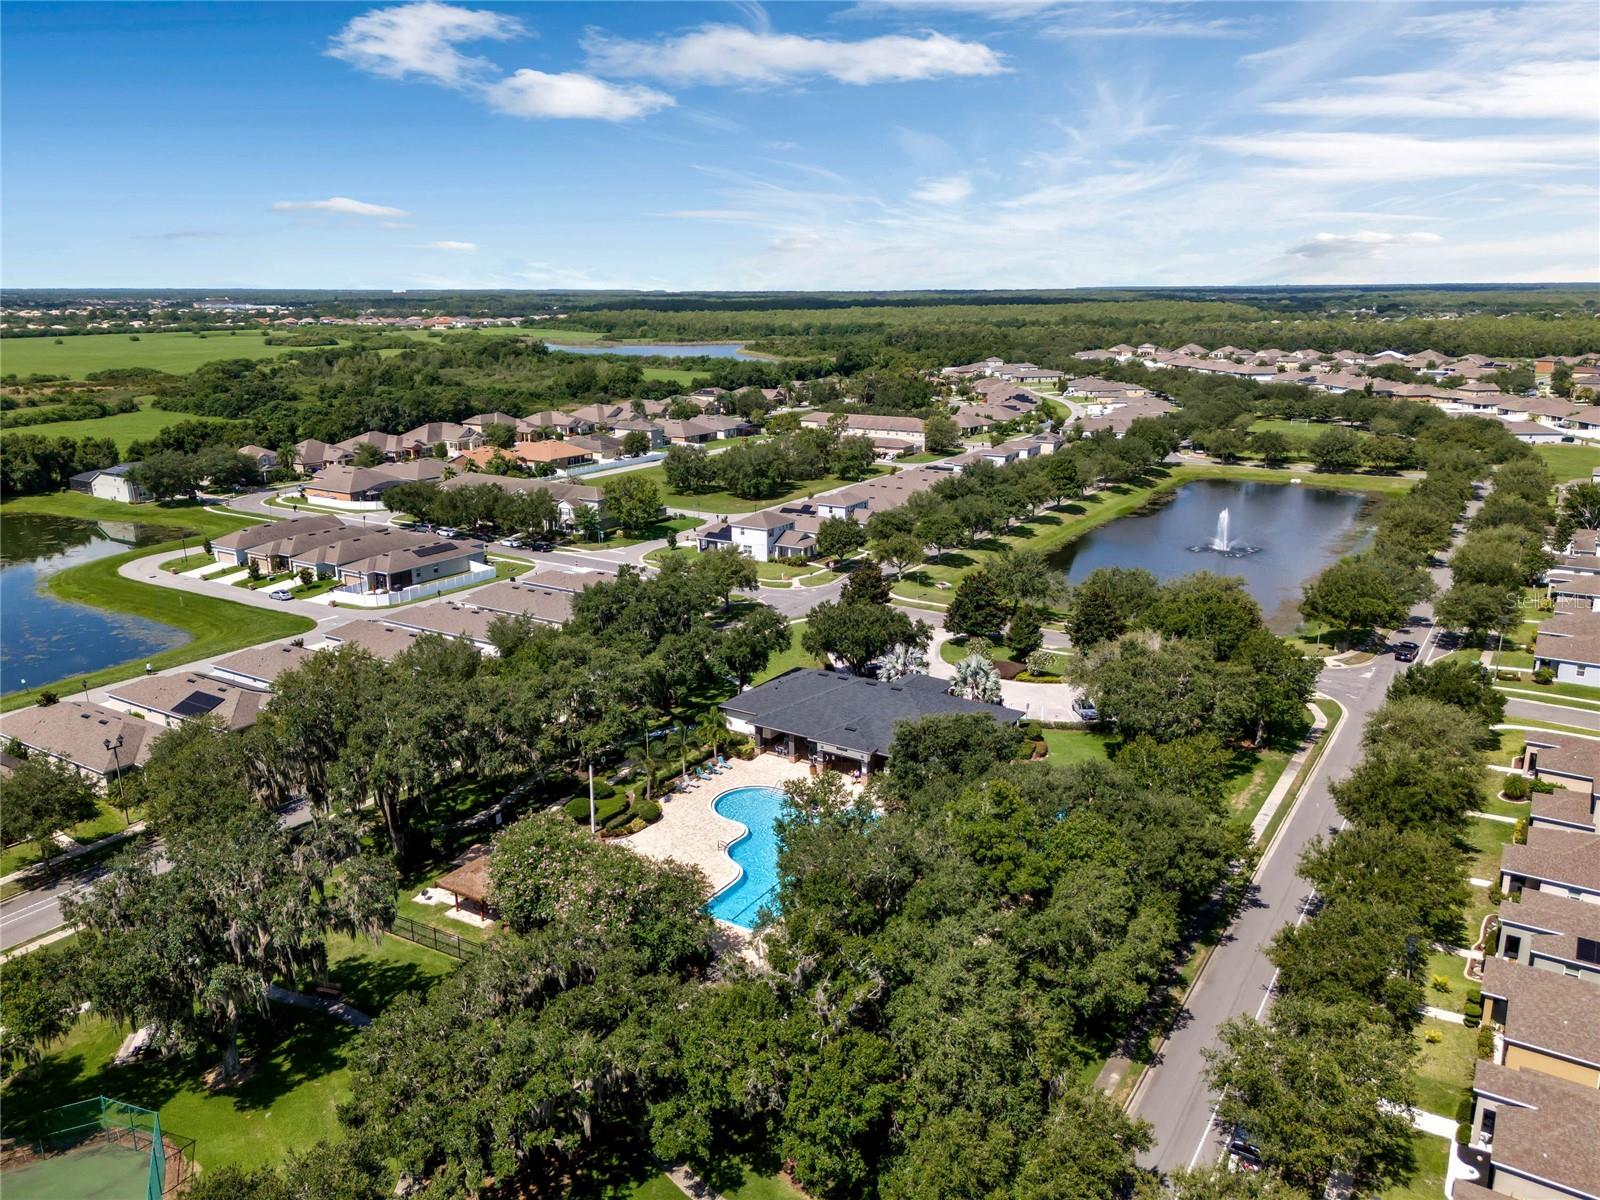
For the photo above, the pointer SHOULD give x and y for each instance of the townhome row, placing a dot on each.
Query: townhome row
(395, 565)
(102, 740)
(1535, 1126)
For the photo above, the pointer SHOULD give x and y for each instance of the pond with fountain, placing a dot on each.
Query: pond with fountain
(1273, 536)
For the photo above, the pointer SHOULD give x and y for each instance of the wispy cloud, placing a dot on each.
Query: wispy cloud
(714, 214)
(1362, 244)
(1541, 89)
(951, 190)
(1143, 23)
(1351, 157)
(340, 206)
(571, 94)
(457, 247)
(731, 55)
(420, 40)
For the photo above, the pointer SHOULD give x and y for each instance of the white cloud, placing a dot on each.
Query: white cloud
(1362, 244)
(951, 190)
(1139, 24)
(420, 40)
(340, 206)
(1396, 157)
(458, 247)
(1532, 90)
(730, 55)
(528, 93)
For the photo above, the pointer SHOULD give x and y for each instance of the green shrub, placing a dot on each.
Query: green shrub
(1440, 983)
(647, 811)
(1519, 832)
(604, 807)
(1544, 675)
(1432, 1036)
(1516, 788)
(1486, 1041)
(1464, 1108)
(603, 790)
(1542, 786)
(1463, 1133)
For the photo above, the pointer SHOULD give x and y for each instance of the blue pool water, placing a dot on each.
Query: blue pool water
(756, 853)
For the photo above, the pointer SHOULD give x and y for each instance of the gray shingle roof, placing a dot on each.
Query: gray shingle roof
(850, 711)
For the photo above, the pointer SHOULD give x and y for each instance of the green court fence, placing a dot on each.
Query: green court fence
(115, 1122)
(453, 944)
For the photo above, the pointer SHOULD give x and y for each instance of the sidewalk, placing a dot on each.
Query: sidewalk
(82, 848)
(1291, 772)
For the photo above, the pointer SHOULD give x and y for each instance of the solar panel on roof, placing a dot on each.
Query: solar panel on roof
(195, 704)
(430, 551)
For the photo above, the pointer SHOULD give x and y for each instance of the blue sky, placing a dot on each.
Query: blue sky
(889, 143)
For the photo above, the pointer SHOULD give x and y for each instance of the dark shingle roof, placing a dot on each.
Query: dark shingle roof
(850, 711)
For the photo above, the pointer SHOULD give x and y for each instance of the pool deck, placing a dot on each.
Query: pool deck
(691, 832)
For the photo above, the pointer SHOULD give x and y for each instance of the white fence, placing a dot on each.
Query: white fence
(479, 574)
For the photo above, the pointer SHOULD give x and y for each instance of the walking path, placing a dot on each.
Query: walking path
(1291, 772)
(334, 1008)
(76, 850)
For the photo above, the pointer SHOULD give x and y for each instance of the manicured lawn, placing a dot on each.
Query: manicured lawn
(1487, 839)
(727, 502)
(1076, 745)
(214, 626)
(123, 428)
(753, 1187)
(1454, 968)
(1444, 1068)
(300, 1079)
(1552, 726)
(616, 540)
(107, 821)
(1427, 1181)
(1555, 693)
(191, 561)
(176, 353)
(794, 656)
(677, 375)
(1569, 462)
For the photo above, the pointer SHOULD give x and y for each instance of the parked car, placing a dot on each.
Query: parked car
(512, 543)
(1085, 709)
(449, 533)
(1406, 651)
(1242, 1153)
(280, 594)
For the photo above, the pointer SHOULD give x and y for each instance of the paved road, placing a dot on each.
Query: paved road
(1238, 979)
(35, 913)
(1560, 714)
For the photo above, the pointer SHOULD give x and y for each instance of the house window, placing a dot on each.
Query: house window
(1581, 669)
(1589, 951)
(1513, 947)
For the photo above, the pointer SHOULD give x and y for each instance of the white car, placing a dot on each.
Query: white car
(280, 594)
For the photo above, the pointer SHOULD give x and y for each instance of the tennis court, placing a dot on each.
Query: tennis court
(99, 1171)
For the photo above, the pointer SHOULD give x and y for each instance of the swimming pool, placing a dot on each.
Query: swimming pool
(755, 854)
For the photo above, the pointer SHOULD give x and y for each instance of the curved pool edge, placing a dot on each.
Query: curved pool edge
(744, 832)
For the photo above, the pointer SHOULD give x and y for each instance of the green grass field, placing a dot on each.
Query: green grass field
(1569, 462)
(1427, 1181)
(123, 427)
(677, 375)
(793, 657)
(177, 353)
(1076, 745)
(301, 1061)
(727, 502)
(214, 626)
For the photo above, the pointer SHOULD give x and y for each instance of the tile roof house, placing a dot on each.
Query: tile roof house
(235, 548)
(909, 429)
(76, 732)
(377, 637)
(568, 495)
(311, 455)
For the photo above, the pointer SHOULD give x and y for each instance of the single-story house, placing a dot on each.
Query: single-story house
(1574, 657)
(480, 424)
(111, 483)
(1581, 589)
(390, 560)
(174, 699)
(235, 548)
(391, 446)
(569, 496)
(356, 485)
(538, 602)
(830, 716)
(453, 437)
(259, 666)
(374, 635)
(552, 421)
(81, 734)
(909, 429)
(600, 414)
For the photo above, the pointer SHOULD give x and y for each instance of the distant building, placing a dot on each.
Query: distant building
(111, 483)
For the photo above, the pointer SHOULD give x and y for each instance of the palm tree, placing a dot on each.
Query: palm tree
(712, 727)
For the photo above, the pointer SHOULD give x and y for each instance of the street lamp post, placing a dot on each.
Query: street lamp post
(122, 788)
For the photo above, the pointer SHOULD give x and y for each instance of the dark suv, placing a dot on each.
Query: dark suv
(1406, 651)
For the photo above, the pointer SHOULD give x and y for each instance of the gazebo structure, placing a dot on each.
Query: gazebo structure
(469, 882)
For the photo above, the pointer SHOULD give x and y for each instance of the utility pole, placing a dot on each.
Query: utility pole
(591, 797)
(122, 788)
